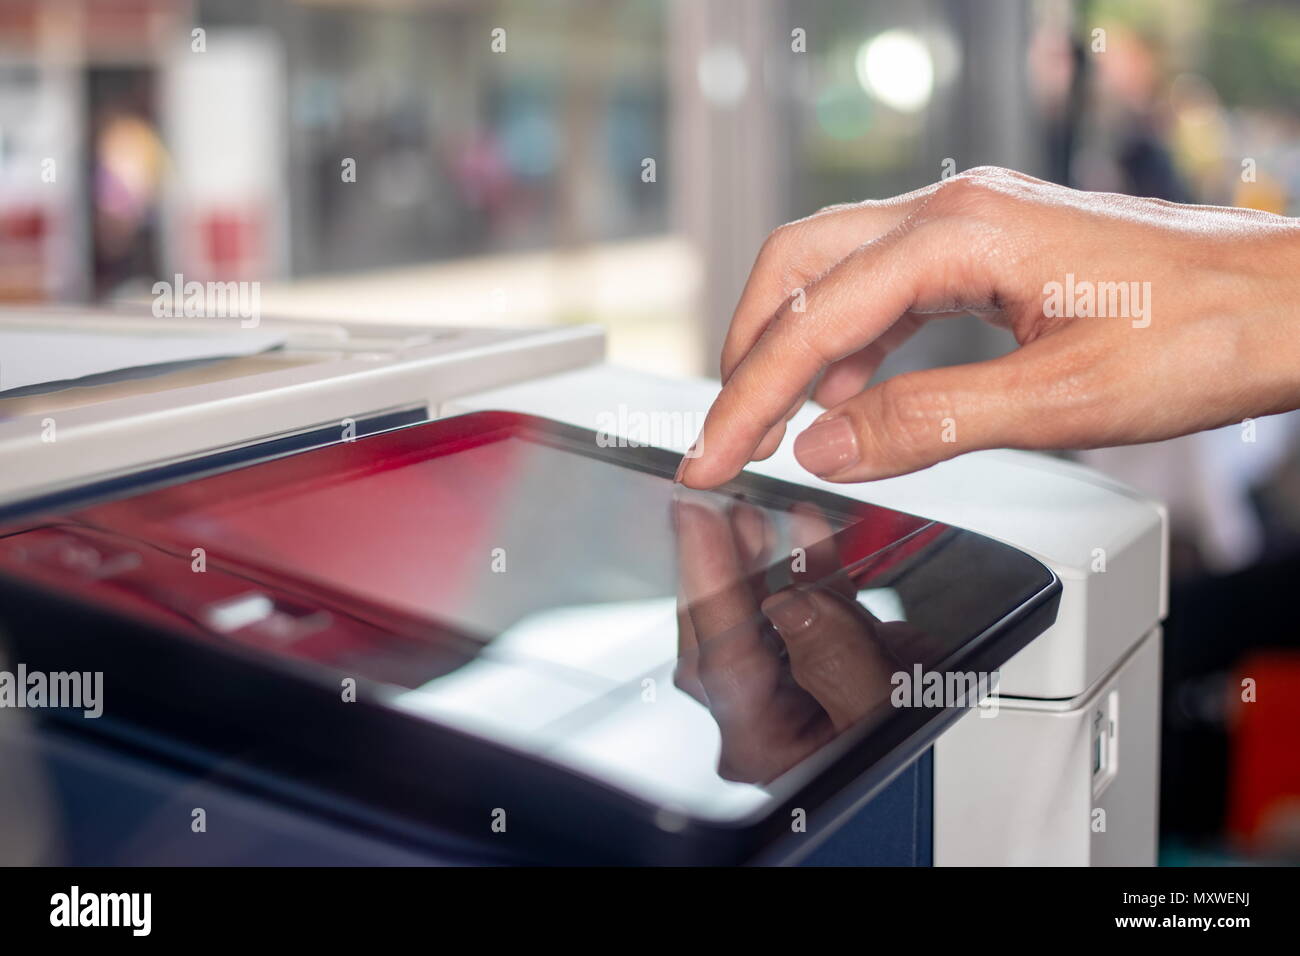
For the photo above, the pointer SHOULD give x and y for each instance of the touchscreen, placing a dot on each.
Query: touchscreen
(693, 648)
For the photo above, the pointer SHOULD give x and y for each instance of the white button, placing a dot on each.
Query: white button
(234, 613)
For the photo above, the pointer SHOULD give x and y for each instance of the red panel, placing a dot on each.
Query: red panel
(1264, 781)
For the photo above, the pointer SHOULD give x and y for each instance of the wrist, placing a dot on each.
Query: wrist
(1273, 313)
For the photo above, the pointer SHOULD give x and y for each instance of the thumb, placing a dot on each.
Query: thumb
(914, 420)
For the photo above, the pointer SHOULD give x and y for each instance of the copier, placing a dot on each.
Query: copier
(1056, 765)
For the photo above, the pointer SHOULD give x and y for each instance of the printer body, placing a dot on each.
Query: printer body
(1064, 771)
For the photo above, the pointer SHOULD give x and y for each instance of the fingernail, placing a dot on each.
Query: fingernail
(827, 447)
(692, 452)
(791, 611)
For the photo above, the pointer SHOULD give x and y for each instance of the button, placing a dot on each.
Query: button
(263, 614)
(237, 612)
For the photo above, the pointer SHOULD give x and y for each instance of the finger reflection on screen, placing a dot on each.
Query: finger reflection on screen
(771, 641)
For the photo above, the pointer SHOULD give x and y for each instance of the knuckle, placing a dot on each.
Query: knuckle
(784, 254)
(965, 194)
(792, 336)
(1077, 392)
(836, 208)
(777, 244)
(908, 419)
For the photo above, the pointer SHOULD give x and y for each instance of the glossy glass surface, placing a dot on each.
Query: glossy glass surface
(694, 649)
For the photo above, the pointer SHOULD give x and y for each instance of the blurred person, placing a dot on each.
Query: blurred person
(1134, 114)
(127, 181)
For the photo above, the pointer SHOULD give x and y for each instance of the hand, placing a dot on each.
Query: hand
(1209, 330)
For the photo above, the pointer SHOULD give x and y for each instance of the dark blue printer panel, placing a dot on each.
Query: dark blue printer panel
(98, 804)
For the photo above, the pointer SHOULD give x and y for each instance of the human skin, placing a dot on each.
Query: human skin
(831, 295)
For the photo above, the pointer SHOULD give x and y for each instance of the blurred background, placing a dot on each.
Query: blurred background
(526, 162)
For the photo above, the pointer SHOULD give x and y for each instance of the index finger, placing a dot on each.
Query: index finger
(797, 253)
(847, 309)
